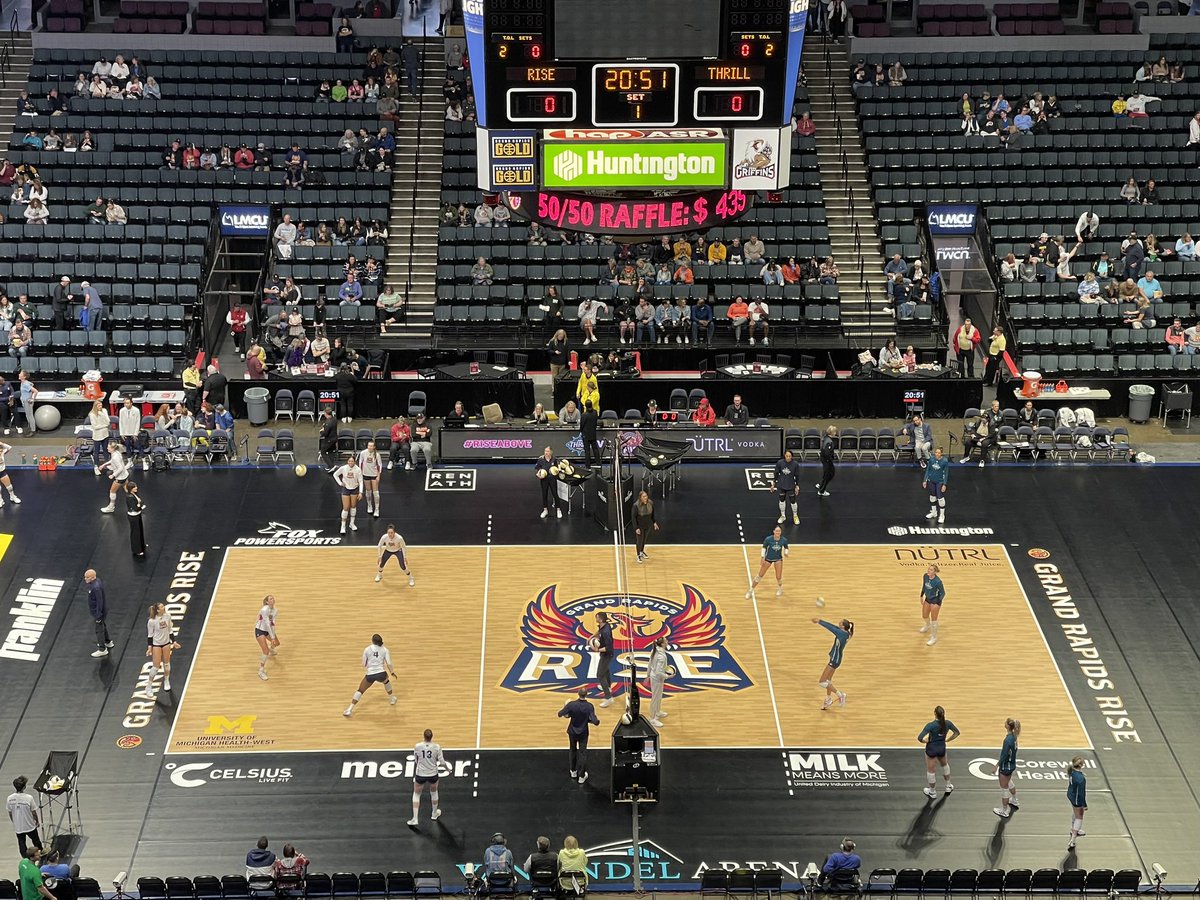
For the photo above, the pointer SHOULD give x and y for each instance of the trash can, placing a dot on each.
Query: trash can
(1141, 398)
(257, 399)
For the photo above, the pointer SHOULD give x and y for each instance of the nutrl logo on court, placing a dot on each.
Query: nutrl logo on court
(556, 656)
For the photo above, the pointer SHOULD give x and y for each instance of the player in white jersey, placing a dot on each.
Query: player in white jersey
(392, 544)
(118, 472)
(160, 641)
(349, 479)
(659, 671)
(378, 662)
(429, 762)
(264, 633)
(4, 479)
(370, 463)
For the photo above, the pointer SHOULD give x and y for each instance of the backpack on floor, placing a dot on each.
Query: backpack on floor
(160, 460)
(1066, 417)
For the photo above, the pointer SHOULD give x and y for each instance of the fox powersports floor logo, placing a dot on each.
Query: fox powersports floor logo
(276, 534)
(557, 655)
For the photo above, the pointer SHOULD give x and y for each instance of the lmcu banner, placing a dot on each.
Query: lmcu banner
(951, 218)
(634, 164)
(797, 19)
(245, 221)
(473, 25)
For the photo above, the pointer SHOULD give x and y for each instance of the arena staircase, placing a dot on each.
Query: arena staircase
(416, 195)
(16, 54)
(849, 207)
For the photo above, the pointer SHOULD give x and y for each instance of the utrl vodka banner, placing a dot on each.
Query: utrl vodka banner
(796, 22)
(473, 23)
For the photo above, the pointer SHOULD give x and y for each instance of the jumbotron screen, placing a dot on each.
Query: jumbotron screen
(631, 64)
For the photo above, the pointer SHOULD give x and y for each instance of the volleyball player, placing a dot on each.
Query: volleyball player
(429, 762)
(842, 632)
(370, 464)
(786, 478)
(659, 671)
(933, 592)
(935, 736)
(118, 473)
(4, 479)
(160, 639)
(264, 633)
(934, 477)
(392, 544)
(349, 479)
(1077, 795)
(774, 549)
(1005, 766)
(548, 481)
(378, 662)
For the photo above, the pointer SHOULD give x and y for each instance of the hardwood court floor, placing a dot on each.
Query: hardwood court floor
(746, 669)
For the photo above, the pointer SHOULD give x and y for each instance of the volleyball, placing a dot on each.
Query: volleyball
(594, 643)
(566, 468)
(301, 470)
(553, 470)
(626, 719)
(820, 601)
(654, 460)
(670, 671)
(541, 473)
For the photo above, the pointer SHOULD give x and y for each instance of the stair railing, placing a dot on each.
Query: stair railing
(412, 200)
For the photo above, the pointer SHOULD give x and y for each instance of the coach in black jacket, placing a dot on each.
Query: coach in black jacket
(588, 423)
(582, 715)
(828, 457)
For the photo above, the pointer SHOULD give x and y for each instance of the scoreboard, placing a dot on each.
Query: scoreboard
(634, 63)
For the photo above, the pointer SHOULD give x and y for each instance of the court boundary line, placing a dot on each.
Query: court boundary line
(196, 654)
(1049, 650)
(762, 642)
(833, 748)
(487, 575)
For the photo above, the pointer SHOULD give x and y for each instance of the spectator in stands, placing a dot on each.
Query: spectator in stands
(1150, 286)
(996, 347)
(1027, 271)
(1089, 289)
(52, 140)
(388, 306)
(1023, 120)
(191, 157)
(879, 76)
(920, 437)
(840, 869)
(717, 251)
(735, 252)
(1150, 192)
(645, 318)
(624, 316)
(348, 142)
(212, 391)
(260, 860)
(771, 273)
(482, 272)
(755, 250)
(663, 275)
(589, 309)
(225, 157)
(129, 423)
(483, 215)
(1140, 316)
(896, 265)
(243, 159)
(134, 89)
(990, 126)
(702, 321)
(290, 870)
(835, 15)
(93, 305)
(1135, 106)
(684, 273)
(1062, 268)
(1194, 130)
(98, 89)
(355, 92)
(1086, 226)
(256, 362)
(410, 57)
(285, 237)
(338, 93)
(1175, 75)
(119, 71)
(25, 105)
(666, 321)
(114, 213)
(20, 339)
(81, 85)
(350, 293)
(97, 212)
(1176, 339)
(151, 90)
(1185, 247)
(56, 105)
(1134, 254)
(32, 140)
(804, 125)
(759, 312)
(7, 310)
(344, 39)
(1193, 343)
(60, 302)
(704, 415)
(896, 75)
(829, 271)
(966, 339)
(900, 299)
(1130, 192)
(262, 159)
(1052, 109)
(681, 249)
(738, 315)
(1010, 269)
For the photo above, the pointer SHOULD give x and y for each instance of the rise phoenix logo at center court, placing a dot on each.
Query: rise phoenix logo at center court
(556, 656)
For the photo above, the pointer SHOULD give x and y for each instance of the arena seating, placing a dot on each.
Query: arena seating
(794, 226)
(1028, 18)
(229, 18)
(65, 15)
(151, 17)
(916, 155)
(156, 262)
(954, 19)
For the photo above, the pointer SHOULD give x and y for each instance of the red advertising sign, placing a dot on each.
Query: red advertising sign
(630, 215)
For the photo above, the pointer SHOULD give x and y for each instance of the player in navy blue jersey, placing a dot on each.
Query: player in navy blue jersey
(935, 736)
(935, 476)
(842, 632)
(774, 549)
(786, 479)
(1077, 795)
(1005, 766)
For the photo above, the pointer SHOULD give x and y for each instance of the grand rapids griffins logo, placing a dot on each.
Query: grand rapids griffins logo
(556, 656)
(758, 160)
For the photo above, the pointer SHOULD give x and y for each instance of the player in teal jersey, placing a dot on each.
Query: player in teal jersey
(842, 632)
(935, 736)
(1005, 766)
(933, 592)
(934, 478)
(774, 549)
(1077, 795)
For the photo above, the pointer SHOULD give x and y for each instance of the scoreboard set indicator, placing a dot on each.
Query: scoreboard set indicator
(635, 63)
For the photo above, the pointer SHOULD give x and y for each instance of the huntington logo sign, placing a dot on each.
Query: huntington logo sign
(634, 165)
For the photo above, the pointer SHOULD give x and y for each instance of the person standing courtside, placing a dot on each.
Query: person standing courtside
(659, 671)
(98, 607)
(23, 814)
(429, 765)
(937, 475)
(786, 479)
(643, 523)
(588, 423)
(582, 715)
(602, 642)
(548, 482)
(828, 458)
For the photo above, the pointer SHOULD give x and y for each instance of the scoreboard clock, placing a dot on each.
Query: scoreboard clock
(634, 63)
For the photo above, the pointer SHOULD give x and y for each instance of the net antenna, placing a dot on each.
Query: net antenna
(620, 546)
